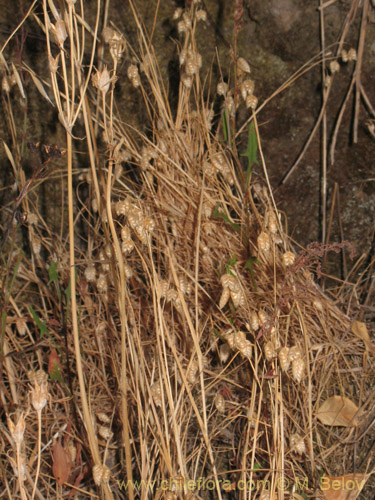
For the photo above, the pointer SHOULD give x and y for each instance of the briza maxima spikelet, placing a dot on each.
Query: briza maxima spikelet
(294, 353)
(269, 350)
(101, 474)
(192, 372)
(288, 259)
(298, 369)
(334, 67)
(284, 359)
(90, 273)
(251, 101)
(243, 65)
(156, 394)
(220, 403)
(254, 321)
(264, 242)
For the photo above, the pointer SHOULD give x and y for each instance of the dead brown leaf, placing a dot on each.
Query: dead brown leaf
(338, 411)
(62, 463)
(346, 487)
(360, 330)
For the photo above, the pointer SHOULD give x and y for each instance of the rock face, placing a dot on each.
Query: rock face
(277, 38)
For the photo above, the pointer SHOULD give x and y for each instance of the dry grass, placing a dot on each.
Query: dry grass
(162, 305)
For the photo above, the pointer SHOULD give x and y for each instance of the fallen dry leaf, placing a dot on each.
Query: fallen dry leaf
(61, 463)
(338, 411)
(360, 330)
(346, 487)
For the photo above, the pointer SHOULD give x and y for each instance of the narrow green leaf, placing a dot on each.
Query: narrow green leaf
(52, 273)
(224, 216)
(225, 124)
(250, 266)
(42, 327)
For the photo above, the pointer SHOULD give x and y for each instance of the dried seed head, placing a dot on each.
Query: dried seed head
(270, 350)
(271, 221)
(297, 444)
(242, 344)
(181, 27)
(243, 65)
(334, 67)
(128, 271)
(105, 432)
(132, 71)
(156, 393)
(163, 287)
(288, 258)
(39, 396)
(352, 54)
(187, 19)
(251, 101)
(247, 88)
(191, 67)
(102, 80)
(90, 273)
(344, 56)
(36, 245)
(53, 63)
(229, 281)
(224, 297)
(222, 88)
(101, 474)
(263, 317)
(254, 321)
(201, 15)
(101, 283)
(94, 205)
(224, 352)
(298, 368)
(238, 298)
(284, 359)
(103, 417)
(21, 326)
(32, 219)
(125, 233)
(127, 246)
(17, 431)
(264, 242)
(177, 13)
(294, 353)
(192, 372)
(117, 46)
(219, 403)
(149, 224)
(6, 85)
(59, 32)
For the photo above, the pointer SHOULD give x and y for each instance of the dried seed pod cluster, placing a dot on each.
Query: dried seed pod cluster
(231, 289)
(287, 357)
(237, 341)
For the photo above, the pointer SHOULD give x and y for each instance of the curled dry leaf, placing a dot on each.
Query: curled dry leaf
(346, 487)
(338, 411)
(360, 330)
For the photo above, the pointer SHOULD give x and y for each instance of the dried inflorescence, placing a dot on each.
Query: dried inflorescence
(231, 289)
